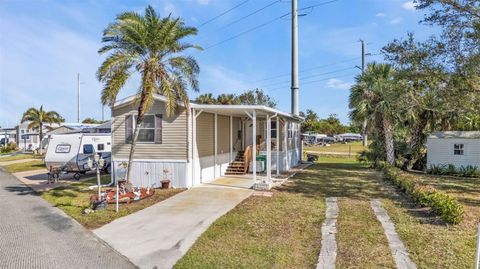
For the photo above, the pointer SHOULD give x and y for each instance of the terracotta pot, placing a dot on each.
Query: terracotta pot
(165, 184)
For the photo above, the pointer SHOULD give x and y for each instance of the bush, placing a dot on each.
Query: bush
(450, 169)
(11, 146)
(442, 204)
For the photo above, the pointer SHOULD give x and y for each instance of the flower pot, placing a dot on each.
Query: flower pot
(165, 184)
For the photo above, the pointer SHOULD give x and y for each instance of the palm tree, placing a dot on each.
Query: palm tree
(206, 98)
(37, 119)
(227, 99)
(374, 96)
(151, 46)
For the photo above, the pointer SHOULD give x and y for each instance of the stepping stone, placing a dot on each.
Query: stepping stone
(328, 252)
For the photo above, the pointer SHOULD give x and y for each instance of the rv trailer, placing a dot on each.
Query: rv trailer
(69, 153)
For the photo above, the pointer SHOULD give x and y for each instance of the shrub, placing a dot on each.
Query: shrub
(11, 146)
(450, 169)
(442, 204)
(469, 171)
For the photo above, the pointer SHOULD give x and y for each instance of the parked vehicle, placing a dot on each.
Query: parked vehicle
(69, 153)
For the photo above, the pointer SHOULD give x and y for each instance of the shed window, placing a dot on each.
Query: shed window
(458, 149)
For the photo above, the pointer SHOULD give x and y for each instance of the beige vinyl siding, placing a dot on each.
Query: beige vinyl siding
(174, 135)
(237, 141)
(205, 134)
(223, 131)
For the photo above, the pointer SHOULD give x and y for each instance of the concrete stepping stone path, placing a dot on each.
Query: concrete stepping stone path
(328, 252)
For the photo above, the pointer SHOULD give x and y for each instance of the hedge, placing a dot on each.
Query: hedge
(442, 204)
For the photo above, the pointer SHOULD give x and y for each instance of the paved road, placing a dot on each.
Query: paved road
(158, 236)
(33, 234)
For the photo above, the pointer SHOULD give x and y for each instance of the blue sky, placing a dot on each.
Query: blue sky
(44, 44)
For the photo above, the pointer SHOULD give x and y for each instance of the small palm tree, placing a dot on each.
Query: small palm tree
(374, 96)
(151, 46)
(206, 98)
(39, 117)
(227, 99)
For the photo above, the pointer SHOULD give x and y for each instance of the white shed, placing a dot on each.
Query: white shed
(454, 147)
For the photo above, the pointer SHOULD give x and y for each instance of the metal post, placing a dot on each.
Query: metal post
(231, 138)
(254, 149)
(78, 97)
(294, 58)
(278, 144)
(285, 143)
(269, 149)
(477, 255)
(215, 147)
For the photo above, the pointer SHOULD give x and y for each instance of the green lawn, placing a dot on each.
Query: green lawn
(25, 166)
(19, 157)
(355, 147)
(431, 243)
(284, 231)
(74, 198)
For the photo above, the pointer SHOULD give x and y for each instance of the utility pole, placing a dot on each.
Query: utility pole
(103, 113)
(294, 58)
(364, 124)
(78, 97)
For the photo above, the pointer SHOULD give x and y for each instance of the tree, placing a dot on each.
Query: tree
(375, 95)
(92, 121)
(256, 97)
(39, 117)
(227, 99)
(152, 46)
(206, 99)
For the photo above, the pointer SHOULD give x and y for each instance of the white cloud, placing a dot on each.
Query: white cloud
(410, 6)
(203, 2)
(380, 15)
(396, 20)
(338, 84)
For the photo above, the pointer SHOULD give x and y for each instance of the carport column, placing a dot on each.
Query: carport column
(254, 149)
(194, 144)
(285, 143)
(278, 144)
(231, 138)
(215, 147)
(269, 148)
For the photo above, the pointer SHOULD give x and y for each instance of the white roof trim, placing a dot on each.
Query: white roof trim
(455, 134)
(266, 109)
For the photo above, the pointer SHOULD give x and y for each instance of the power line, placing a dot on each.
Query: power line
(311, 76)
(223, 13)
(261, 25)
(250, 14)
(315, 81)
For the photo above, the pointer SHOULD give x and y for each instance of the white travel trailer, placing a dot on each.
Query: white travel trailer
(70, 152)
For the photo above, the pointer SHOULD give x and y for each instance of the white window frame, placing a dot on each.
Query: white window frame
(154, 128)
(460, 149)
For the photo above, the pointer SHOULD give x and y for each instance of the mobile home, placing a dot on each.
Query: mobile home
(203, 142)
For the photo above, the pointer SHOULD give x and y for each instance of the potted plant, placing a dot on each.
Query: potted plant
(165, 181)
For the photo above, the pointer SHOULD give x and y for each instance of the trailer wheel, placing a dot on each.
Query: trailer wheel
(76, 176)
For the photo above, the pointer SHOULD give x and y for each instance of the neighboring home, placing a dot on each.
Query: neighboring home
(349, 137)
(7, 135)
(28, 138)
(454, 147)
(102, 128)
(203, 143)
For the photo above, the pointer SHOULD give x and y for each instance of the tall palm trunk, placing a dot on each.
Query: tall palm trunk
(418, 137)
(364, 133)
(40, 137)
(138, 122)
(388, 135)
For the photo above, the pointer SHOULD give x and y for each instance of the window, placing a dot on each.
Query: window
(273, 129)
(88, 149)
(458, 149)
(150, 131)
(100, 147)
(62, 148)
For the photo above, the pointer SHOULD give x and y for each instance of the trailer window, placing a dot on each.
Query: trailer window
(88, 149)
(62, 148)
(100, 147)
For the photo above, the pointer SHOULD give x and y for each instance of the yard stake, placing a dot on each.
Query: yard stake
(477, 255)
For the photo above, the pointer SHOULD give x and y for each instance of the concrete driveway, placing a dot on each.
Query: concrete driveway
(34, 234)
(160, 235)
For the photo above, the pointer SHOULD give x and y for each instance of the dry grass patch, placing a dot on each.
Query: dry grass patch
(25, 166)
